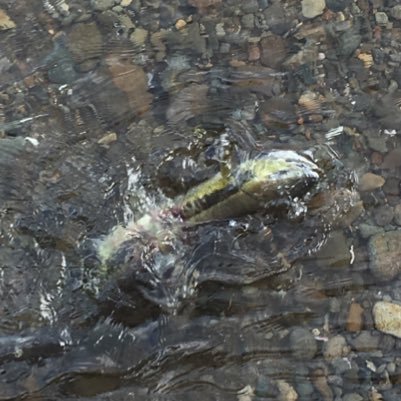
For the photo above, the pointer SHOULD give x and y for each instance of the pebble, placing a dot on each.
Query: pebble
(370, 182)
(107, 139)
(248, 21)
(133, 81)
(274, 51)
(319, 380)
(253, 52)
(102, 5)
(85, 43)
(125, 3)
(337, 5)
(352, 397)
(376, 158)
(286, 391)
(250, 6)
(383, 215)
(276, 18)
(387, 318)
(139, 36)
(367, 230)
(203, 5)
(381, 18)
(335, 252)
(392, 159)
(312, 8)
(180, 24)
(385, 254)
(392, 186)
(336, 347)
(366, 342)
(5, 21)
(302, 343)
(396, 12)
(397, 215)
(355, 318)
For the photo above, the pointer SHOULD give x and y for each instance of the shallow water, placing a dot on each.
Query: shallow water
(111, 110)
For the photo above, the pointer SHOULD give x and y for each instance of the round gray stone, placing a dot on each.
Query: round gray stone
(302, 343)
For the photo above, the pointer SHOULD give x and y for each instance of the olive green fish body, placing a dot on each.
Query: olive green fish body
(253, 185)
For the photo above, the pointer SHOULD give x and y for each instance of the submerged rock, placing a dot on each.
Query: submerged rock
(385, 254)
(312, 8)
(5, 21)
(370, 182)
(387, 318)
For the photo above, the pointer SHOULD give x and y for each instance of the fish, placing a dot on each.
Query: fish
(254, 185)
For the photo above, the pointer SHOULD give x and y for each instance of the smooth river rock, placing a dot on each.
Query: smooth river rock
(385, 254)
(370, 182)
(312, 8)
(387, 318)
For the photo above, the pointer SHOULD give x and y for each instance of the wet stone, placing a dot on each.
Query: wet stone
(397, 215)
(392, 159)
(352, 397)
(250, 6)
(387, 318)
(276, 19)
(85, 44)
(312, 8)
(383, 215)
(248, 21)
(381, 18)
(5, 21)
(133, 82)
(319, 380)
(370, 182)
(392, 186)
(335, 252)
(337, 5)
(385, 254)
(367, 230)
(348, 43)
(355, 317)
(286, 391)
(60, 64)
(366, 342)
(336, 347)
(302, 343)
(102, 5)
(340, 365)
(274, 51)
(139, 36)
(396, 12)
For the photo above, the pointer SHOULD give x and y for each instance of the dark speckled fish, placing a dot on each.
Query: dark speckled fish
(253, 186)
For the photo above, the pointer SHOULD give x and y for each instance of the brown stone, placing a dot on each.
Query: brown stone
(355, 318)
(392, 159)
(253, 52)
(203, 5)
(85, 42)
(376, 158)
(370, 182)
(319, 380)
(274, 51)
(132, 80)
(189, 102)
